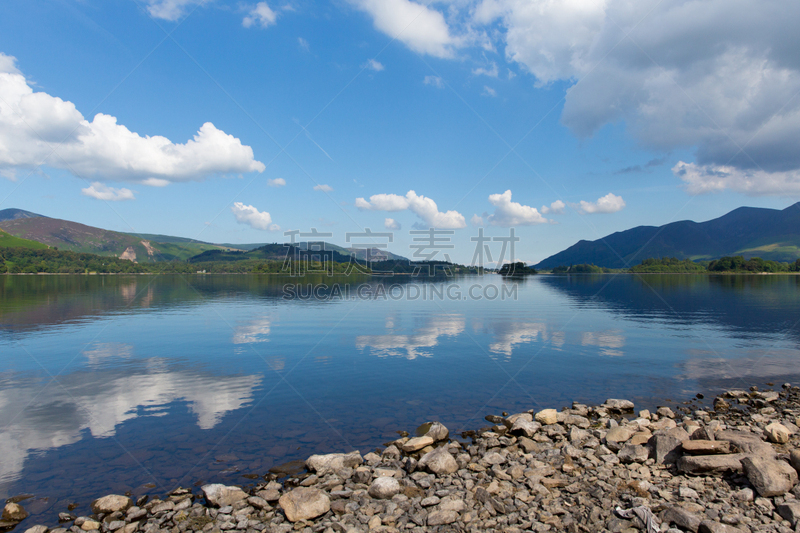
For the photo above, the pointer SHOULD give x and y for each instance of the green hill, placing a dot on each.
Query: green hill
(771, 234)
(9, 241)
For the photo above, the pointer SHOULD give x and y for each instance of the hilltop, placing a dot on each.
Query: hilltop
(747, 231)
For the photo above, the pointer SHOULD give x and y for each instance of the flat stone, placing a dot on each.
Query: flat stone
(493, 458)
(384, 488)
(547, 417)
(14, 512)
(333, 462)
(257, 502)
(439, 462)
(666, 446)
(777, 433)
(222, 495)
(706, 447)
(305, 503)
(790, 511)
(271, 495)
(769, 477)
(618, 405)
(90, 525)
(681, 518)
(745, 442)
(619, 434)
(711, 465)
(37, 529)
(417, 443)
(439, 518)
(111, 504)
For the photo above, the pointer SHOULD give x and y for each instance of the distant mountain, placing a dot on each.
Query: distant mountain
(14, 214)
(75, 237)
(374, 254)
(749, 231)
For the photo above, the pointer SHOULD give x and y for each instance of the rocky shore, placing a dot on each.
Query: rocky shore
(584, 468)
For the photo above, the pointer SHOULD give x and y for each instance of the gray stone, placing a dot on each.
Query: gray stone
(526, 428)
(617, 436)
(14, 512)
(665, 446)
(333, 462)
(435, 430)
(417, 443)
(794, 458)
(665, 412)
(745, 442)
(618, 405)
(790, 511)
(706, 447)
(708, 526)
(631, 453)
(770, 477)
(681, 518)
(37, 529)
(710, 464)
(577, 420)
(222, 495)
(383, 488)
(439, 518)
(305, 503)
(777, 433)
(439, 462)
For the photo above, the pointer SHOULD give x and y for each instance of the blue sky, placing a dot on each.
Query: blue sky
(235, 121)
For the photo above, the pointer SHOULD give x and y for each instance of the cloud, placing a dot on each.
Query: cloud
(488, 91)
(391, 223)
(425, 208)
(700, 179)
(508, 214)
(476, 221)
(303, 44)
(556, 208)
(250, 216)
(36, 129)
(492, 71)
(607, 204)
(371, 64)
(277, 182)
(436, 81)
(171, 10)
(323, 188)
(109, 194)
(422, 29)
(260, 15)
(715, 77)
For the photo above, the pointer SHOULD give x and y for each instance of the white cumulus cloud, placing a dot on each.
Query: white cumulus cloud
(260, 15)
(250, 216)
(701, 179)
(425, 208)
(556, 208)
(323, 187)
(488, 91)
(508, 214)
(277, 182)
(421, 28)
(391, 223)
(476, 221)
(610, 203)
(490, 71)
(104, 192)
(436, 81)
(37, 128)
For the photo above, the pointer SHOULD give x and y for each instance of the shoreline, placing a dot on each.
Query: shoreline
(584, 468)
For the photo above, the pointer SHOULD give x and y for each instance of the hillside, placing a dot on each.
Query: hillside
(9, 241)
(75, 237)
(749, 231)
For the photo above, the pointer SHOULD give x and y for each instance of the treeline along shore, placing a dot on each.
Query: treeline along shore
(603, 468)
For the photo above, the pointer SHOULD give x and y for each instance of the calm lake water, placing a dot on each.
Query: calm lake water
(141, 384)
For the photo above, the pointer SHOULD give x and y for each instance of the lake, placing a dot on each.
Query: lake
(143, 383)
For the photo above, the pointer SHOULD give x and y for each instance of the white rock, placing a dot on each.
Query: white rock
(777, 433)
(305, 503)
(547, 417)
(222, 495)
(111, 504)
(333, 462)
(383, 488)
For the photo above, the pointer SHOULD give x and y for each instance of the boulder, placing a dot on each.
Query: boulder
(525, 428)
(417, 443)
(384, 488)
(90, 525)
(305, 503)
(547, 417)
(708, 526)
(111, 504)
(770, 477)
(14, 512)
(681, 518)
(439, 462)
(710, 465)
(665, 412)
(617, 437)
(439, 518)
(745, 442)
(435, 430)
(706, 447)
(794, 458)
(665, 447)
(631, 453)
(37, 529)
(333, 462)
(777, 433)
(222, 495)
(618, 405)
